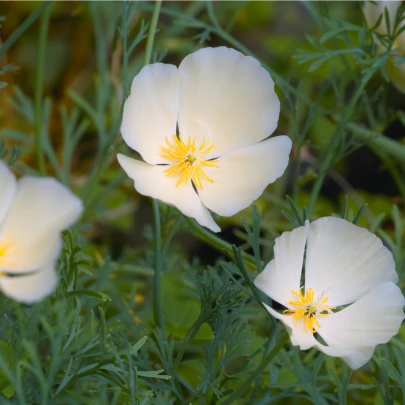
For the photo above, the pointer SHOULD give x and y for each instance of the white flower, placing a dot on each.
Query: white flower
(33, 212)
(344, 266)
(372, 11)
(224, 106)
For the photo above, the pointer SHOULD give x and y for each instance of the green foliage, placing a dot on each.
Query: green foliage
(96, 340)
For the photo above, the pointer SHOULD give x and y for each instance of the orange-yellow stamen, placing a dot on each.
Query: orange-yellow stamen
(309, 308)
(188, 160)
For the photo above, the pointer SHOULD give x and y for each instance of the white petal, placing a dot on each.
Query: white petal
(227, 98)
(243, 174)
(41, 209)
(345, 261)
(7, 187)
(150, 112)
(31, 288)
(371, 320)
(283, 273)
(151, 181)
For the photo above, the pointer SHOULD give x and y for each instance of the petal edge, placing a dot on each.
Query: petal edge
(151, 181)
(151, 110)
(243, 175)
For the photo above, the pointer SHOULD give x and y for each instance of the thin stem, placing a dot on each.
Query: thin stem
(190, 335)
(125, 51)
(392, 168)
(157, 293)
(152, 32)
(255, 374)
(22, 28)
(97, 170)
(330, 149)
(379, 141)
(170, 235)
(39, 80)
(217, 243)
(317, 397)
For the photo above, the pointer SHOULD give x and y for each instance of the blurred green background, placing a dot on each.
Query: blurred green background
(84, 87)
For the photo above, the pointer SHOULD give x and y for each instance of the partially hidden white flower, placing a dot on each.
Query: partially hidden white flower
(348, 295)
(224, 107)
(33, 212)
(372, 12)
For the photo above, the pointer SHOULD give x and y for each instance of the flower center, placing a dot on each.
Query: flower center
(189, 160)
(308, 308)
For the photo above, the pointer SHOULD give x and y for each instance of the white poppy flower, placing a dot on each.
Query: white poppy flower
(344, 264)
(33, 212)
(372, 12)
(224, 106)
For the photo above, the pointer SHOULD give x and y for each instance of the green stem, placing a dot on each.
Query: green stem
(392, 168)
(125, 54)
(229, 400)
(157, 293)
(22, 28)
(216, 242)
(190, 336)
(317, 397)
(172, 232)
(97, 170)
(152, 32)
(39, 80)
(329, 154)
(380, 142)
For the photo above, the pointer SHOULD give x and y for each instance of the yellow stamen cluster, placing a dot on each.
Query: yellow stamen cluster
(189, 160)
(309, 308)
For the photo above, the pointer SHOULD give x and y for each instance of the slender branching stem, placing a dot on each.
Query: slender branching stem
(39, 81)
(157, 293)
(22, 28)
(152, 32)
(330, 151)
(217, 242)
(256, 373)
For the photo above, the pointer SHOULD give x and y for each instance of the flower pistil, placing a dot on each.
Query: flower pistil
(189, 160)
(309, 308)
